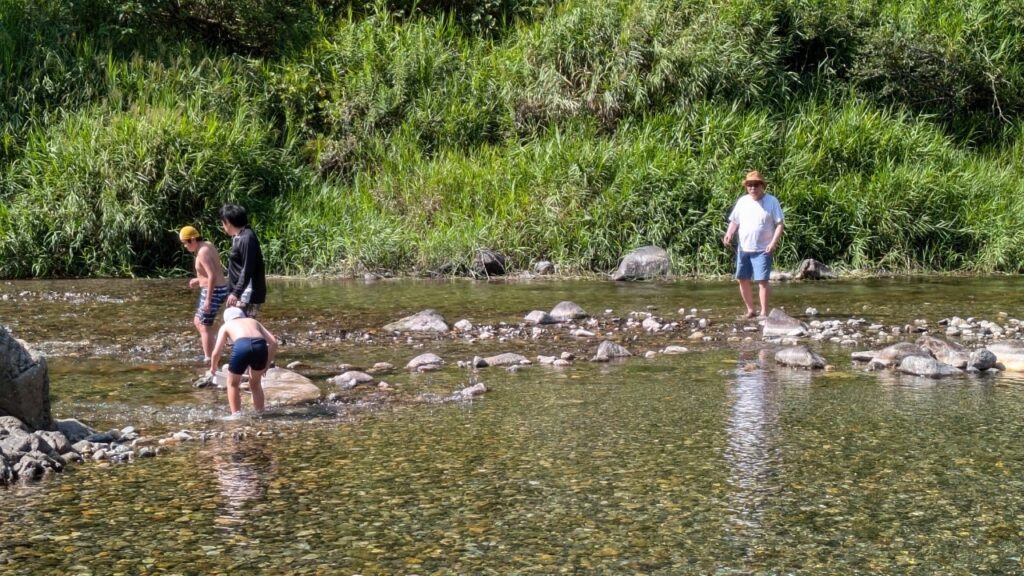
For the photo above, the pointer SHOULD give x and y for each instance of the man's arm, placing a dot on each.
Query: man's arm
(729, 233)
(775, 238)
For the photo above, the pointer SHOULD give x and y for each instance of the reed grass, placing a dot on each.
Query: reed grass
(392, 137)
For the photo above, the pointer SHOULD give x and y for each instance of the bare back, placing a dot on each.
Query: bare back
(245, 328)
(209, 269)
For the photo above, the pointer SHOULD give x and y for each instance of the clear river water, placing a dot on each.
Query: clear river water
(715, 461)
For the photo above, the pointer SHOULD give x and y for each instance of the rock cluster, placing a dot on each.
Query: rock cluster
(27, 455)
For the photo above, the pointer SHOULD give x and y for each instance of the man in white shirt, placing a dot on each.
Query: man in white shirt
(757, 220)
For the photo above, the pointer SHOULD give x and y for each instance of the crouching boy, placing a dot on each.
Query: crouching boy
(253, 349)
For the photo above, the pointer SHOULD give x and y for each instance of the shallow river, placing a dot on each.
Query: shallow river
(711, 462)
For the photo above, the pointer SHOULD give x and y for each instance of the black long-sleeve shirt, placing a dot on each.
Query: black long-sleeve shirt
(245, 265)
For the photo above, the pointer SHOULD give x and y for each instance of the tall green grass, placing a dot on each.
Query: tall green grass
(391, 137)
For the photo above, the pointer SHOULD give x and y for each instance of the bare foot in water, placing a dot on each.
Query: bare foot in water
(750, 314)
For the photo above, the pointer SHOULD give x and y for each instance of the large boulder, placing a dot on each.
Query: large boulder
(811, 269)
(283, 387)
(779, 324)
(425, 321)
(642, 264)
(24, 383)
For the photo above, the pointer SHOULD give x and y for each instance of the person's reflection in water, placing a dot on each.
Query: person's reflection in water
(244, 470)
(752, 430)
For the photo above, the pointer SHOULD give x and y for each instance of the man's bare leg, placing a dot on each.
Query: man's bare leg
(763, 292)
(747, 293)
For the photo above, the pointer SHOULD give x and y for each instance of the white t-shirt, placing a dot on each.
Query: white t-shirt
(756, 220)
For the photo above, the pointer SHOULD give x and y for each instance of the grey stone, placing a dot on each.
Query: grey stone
(643, 264)
(59, 442)
(982, 359)
(74, 430)
(894, 355)
(947, 352)
(926, 366)
(779, 324)
(544, 267)
(474, 390)
(506, 359)
(811, 269)
(608, 350)
(427, 359)
(800, 357)
(424, 321)
(539, 317)
(9, 425)
(488, 262)
(351, 379)
(24, 383)
(566, 311)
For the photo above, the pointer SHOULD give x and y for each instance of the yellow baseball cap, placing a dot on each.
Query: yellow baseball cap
(188, 233)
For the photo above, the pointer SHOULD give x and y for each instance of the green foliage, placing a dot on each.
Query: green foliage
(101, 194)
(404, 136)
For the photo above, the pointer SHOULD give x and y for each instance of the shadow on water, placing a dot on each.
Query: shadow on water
(714, 461)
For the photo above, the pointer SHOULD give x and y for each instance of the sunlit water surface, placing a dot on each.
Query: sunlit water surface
(712, 462)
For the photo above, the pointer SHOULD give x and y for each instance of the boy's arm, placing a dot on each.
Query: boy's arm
(271, 344)
(218, 348)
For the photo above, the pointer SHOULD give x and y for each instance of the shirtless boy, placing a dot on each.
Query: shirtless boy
(211, 282)
(253, 349)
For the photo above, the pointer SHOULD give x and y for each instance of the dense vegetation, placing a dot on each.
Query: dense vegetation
(403, 135)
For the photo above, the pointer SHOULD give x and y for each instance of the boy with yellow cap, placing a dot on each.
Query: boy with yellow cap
(213, 287)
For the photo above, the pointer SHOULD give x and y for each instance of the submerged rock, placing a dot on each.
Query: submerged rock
(474, 390)
(891, 355)
(800, 357)
(506, 359)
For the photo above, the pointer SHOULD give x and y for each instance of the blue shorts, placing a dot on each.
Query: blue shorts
(756, 266)
(248, 353)
(220, 294)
